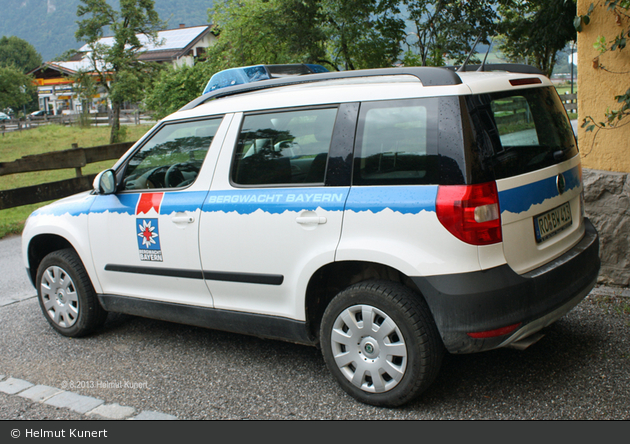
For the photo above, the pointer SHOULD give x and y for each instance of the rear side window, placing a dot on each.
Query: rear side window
(396, 143)
(284, 147)
(520, 131)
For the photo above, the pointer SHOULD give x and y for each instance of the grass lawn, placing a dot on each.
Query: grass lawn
(45, 139)
(565, 88)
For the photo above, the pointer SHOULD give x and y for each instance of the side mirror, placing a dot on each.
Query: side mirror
(105, 182)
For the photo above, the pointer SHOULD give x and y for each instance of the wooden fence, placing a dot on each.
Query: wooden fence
(96, 119)
(570, 102)
(516, 110)
(76, 158)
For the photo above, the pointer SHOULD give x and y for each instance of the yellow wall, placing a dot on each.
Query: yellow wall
(610, 149)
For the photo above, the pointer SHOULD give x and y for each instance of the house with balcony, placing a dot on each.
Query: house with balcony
(178, 47)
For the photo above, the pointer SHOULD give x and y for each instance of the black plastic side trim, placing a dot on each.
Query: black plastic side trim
(248, 278)
(153, 271)
(272, 327)
(31, 277)
(428, 76)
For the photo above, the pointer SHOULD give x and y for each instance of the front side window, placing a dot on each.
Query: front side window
(172, 157)
(284, 147)
(396, 143)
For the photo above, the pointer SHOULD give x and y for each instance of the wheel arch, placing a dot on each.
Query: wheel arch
(334, 277)
(40, 246)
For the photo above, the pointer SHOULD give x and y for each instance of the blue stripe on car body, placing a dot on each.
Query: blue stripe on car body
(521, 199)
(73, 206)
(275, 201)
(401, 199)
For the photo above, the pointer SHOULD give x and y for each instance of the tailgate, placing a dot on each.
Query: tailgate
(541, 214)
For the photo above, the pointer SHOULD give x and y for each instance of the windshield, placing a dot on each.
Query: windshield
(516, 132)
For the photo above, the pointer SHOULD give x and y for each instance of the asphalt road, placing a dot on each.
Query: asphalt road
(579, 370)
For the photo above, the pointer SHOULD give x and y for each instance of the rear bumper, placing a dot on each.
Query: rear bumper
(496, 298)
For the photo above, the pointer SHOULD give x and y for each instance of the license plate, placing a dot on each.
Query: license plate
(552, 222)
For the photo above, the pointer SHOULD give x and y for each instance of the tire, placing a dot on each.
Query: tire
(66, 295)
(375, 366)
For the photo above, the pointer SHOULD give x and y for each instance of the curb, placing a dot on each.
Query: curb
(93, 408)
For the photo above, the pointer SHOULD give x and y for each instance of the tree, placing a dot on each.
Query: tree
(19, 53)
(447, 29)
(16, 88)
(247, 34)
(175, 87)
(362, 33)
(536, 30)
(352, 34)
(117, 67)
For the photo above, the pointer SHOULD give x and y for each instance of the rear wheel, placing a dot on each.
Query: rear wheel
(66, 295)
(380, 342)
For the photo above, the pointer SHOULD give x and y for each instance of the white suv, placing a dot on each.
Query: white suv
(384, 215)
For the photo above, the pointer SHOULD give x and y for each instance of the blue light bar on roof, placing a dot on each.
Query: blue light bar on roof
(248, 74)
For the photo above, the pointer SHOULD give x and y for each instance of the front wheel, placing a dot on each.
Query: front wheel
(379, 340)
(66, 295)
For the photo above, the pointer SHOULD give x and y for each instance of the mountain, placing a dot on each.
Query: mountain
(49, 25)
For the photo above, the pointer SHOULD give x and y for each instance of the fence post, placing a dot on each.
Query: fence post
(75, 146)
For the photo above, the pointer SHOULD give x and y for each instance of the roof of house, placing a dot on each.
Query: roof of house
(171, 45)
(178, 40)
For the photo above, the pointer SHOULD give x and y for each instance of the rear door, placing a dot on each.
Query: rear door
(269, 221)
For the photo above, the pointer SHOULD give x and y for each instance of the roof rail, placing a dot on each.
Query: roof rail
(428, 76)
(509, 67)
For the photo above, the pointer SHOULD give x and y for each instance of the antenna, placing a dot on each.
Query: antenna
(483, 64)
(463, 67)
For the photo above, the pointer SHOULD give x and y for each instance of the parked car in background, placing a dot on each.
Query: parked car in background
(3, 116)
(40, 113)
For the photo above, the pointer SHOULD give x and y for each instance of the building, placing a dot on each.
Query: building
(178, 47)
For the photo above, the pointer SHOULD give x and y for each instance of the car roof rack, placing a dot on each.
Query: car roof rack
(509, 67)
(428, 76)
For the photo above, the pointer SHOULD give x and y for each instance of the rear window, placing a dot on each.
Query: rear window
(520, 131)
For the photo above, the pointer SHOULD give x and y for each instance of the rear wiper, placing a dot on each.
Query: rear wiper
(558, 155)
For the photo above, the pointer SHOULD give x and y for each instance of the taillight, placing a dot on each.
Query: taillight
(470, 212)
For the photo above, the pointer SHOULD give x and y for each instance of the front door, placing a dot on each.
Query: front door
(145, 237)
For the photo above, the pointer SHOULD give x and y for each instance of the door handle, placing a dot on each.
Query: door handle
(186, 219)
(310, 220)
